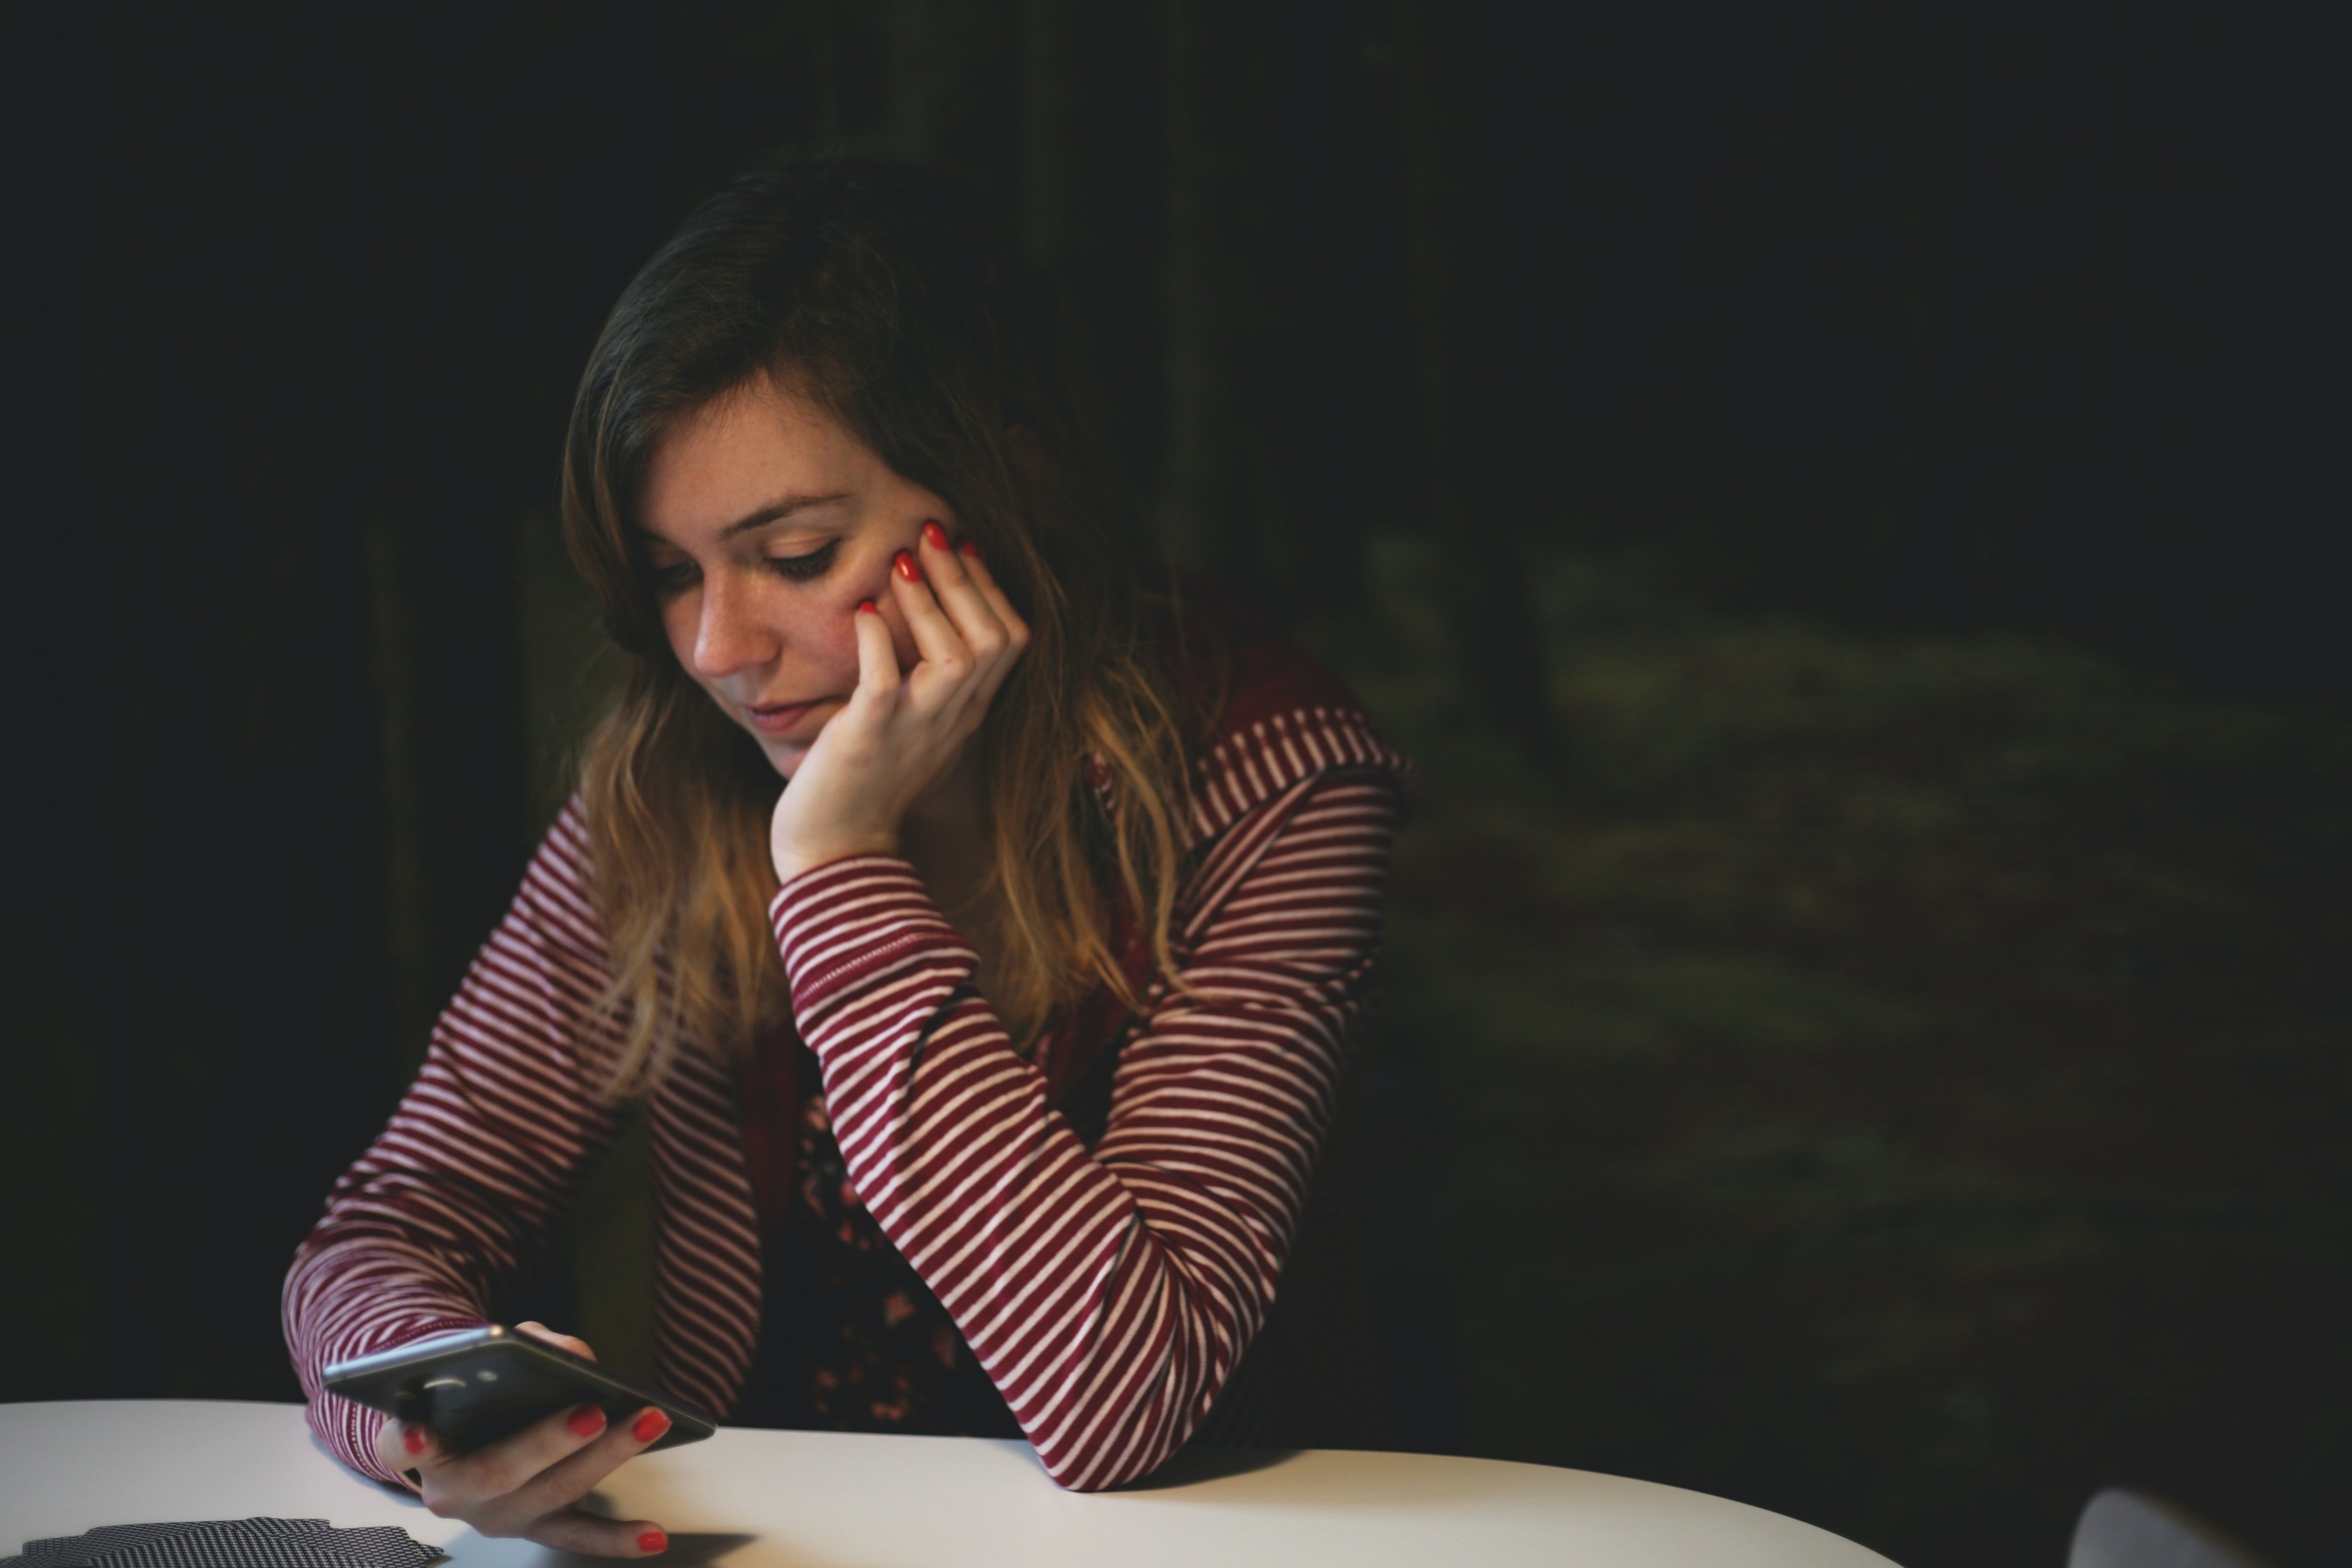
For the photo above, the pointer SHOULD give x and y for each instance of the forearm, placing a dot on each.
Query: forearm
(464, 1184)
(1043, 1257)
(350, 1297)
(1109, 1293)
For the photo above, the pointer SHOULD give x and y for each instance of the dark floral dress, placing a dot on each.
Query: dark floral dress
(851, 1340)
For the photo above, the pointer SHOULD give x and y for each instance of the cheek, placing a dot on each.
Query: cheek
(840, 638)
(829, 641)
(820, 627)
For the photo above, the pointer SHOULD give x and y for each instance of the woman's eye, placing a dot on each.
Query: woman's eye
(670, 577)
(799, 567)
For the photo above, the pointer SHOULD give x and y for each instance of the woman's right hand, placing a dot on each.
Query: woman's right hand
(530, 1484)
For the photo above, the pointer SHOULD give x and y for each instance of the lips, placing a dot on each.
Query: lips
(779, 719)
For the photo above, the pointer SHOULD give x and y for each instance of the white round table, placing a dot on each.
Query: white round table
(752, 1498)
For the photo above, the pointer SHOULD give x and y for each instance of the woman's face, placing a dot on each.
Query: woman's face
(764, 523)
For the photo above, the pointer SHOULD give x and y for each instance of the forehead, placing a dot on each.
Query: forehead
(746, 450)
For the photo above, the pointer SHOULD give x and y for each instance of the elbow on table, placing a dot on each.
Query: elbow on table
(1116, 1454)
(1090, 1473)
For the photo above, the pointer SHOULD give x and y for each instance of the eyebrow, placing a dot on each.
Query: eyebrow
(775, 510)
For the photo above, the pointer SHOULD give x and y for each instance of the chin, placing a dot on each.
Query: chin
(786, 756)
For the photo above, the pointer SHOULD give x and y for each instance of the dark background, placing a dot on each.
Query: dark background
(1835, 495)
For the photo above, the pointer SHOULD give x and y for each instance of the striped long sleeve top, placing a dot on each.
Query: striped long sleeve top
(1109, 1291)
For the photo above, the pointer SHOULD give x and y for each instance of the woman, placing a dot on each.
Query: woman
(988, 1065)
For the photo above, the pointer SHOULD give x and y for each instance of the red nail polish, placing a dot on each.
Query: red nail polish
(650, 1425)
(413, 1439)
(866, 607)
(935, 536)
(969, 548)
(652, 1541)
(586, 1421)
(908, 569)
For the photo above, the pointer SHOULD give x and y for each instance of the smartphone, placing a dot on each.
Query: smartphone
(478, 1386)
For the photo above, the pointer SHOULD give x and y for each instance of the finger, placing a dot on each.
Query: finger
(512, 1463)
(975, 617)
(1015, 630)
(877, 656)
(593, 1535)
(975, 567)
(572, 1343)
(401, 1447)
(561, 1484)
(942, 647)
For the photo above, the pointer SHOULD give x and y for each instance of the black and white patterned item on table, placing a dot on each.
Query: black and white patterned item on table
(227, 1543)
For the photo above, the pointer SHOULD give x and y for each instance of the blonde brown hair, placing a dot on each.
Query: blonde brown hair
(864, 288)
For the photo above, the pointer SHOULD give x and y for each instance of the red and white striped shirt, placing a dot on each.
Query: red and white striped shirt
(1107, 1291)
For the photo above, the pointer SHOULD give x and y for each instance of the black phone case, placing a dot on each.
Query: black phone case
(478, 1386)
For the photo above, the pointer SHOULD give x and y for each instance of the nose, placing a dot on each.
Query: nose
(729, 635)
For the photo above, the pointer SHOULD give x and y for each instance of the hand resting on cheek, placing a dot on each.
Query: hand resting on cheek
(901, 735)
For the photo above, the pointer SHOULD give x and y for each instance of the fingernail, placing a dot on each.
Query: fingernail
(413, 1439)
(866, 607)
(935, 536)
(586, 1421)
(908, 569)
(969, 548)
(650, 1425)
(652, 1541)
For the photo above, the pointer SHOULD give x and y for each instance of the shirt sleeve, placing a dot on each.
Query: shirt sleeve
(462, 1188)
(1109, 1293)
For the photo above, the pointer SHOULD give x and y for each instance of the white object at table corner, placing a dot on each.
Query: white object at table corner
(752, 1498)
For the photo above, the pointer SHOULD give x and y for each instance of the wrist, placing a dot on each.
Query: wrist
(799, 859)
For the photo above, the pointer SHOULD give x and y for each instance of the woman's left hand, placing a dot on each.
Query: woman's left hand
(901, 735)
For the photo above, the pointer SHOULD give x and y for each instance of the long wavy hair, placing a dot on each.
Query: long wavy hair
(865, 287)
